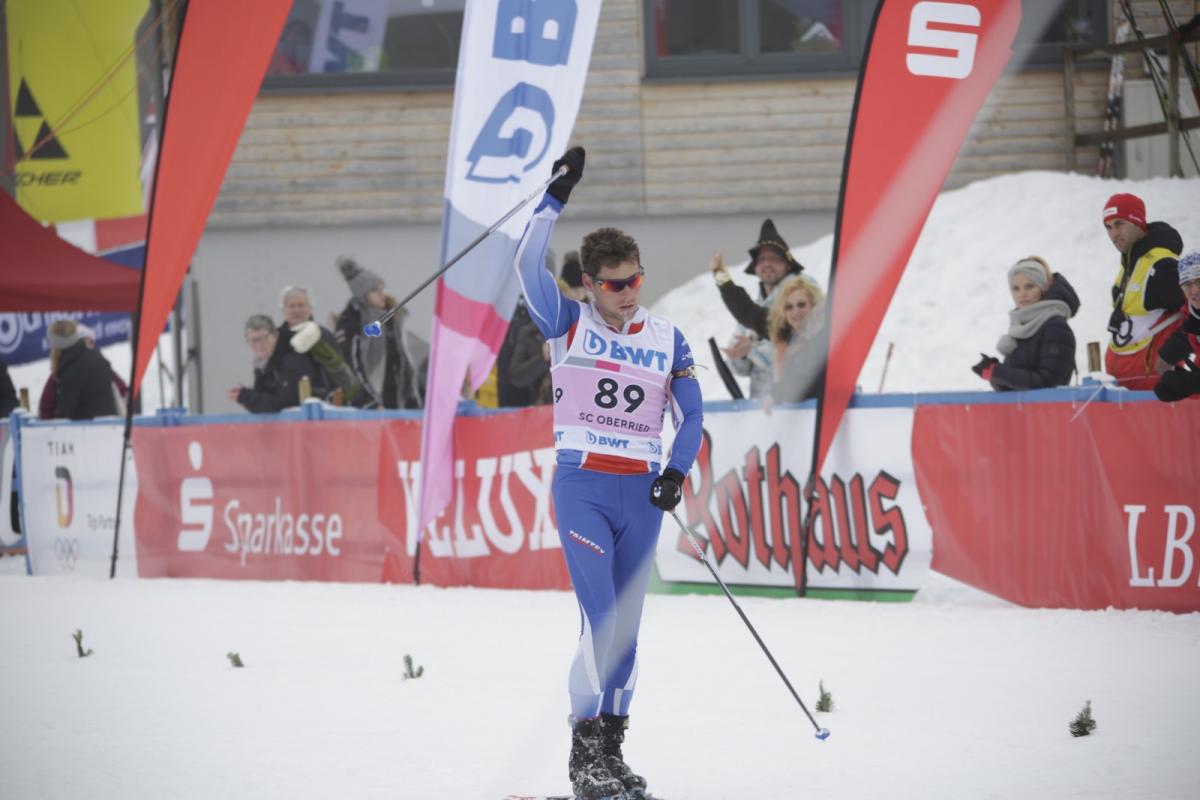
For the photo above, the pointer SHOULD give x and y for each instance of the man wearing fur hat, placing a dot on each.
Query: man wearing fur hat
(750, 351)
(1146, 294)
(386, 366)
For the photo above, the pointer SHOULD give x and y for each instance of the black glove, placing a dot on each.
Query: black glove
(984, 362)
(667, 490)
(1175, 348)
(1177, 384)
(560, 190)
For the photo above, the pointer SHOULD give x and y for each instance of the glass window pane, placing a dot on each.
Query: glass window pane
(326, 37)
(1069, 22)
(800, 26)
(696, 27)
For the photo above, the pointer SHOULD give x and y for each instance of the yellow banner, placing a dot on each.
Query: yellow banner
(73, 96)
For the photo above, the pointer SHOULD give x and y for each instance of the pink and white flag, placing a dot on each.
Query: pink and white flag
(521, 71)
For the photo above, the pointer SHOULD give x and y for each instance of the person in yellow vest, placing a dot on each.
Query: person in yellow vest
(1146, 293)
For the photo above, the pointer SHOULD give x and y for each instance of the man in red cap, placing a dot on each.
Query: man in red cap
(1146, 293)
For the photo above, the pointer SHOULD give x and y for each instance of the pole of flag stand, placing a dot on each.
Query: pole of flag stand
(375, 329)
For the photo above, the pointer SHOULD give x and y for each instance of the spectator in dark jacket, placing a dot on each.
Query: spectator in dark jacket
(281, 358)
(1181, 352)
(330, 370)
(84, 377)
(48, 403)
(387, 365)
(1039, 348)
(8, 394)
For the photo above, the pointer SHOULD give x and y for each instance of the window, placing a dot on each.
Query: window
(355, 43)
(714, 38)
(735, 38)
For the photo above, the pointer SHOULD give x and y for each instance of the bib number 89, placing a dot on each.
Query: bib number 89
(606, 395)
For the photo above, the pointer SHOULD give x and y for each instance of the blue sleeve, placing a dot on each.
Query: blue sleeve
(551, 312)
(686, 408)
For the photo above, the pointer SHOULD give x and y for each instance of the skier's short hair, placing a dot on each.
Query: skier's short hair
(608, 247)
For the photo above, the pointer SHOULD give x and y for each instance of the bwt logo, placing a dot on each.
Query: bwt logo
(195, 505)
(517, 133)
(607, 441)
(596, 345)
(64, 496)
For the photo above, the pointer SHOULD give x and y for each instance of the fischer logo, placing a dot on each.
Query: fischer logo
(596, 345)
(251, 533)
(1175, 544)
(852, 524)
(960, 44)
(64, 496)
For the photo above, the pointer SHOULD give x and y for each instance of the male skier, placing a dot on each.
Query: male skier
(615, 369)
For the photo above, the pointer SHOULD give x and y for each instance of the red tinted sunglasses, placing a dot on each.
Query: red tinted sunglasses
(615, 285)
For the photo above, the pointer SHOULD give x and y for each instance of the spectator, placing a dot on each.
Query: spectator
(8, 394)
(330, 371)
(570, 277)
(1146, 293)
(750, 350)
(522, 364)
(794, 322)
(1039, 348)
(384, 365)
(84, 386)
(1181, 353)
(279, 367)
(48, 402)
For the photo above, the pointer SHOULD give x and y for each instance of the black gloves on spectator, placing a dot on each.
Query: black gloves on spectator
(984, 362)
(1178, 384)
(667, 490)
(1175, 348)
(560, 190)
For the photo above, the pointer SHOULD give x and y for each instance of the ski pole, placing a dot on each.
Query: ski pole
(375, 328)
(822, 733)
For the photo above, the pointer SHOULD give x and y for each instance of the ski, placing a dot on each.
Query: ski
(1112, 110)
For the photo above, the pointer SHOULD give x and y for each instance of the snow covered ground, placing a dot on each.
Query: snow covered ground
(953, 302)
(956, 695)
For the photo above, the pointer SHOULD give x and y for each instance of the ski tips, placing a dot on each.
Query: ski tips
(373, 329)
(822, 734)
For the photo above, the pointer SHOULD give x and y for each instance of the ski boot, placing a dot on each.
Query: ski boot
(590, 777)
(613, 735)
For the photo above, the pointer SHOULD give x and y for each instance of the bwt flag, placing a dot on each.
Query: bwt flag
(521, 70)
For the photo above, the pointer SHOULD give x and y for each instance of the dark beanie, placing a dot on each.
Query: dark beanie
(361, 279)
(572, 269)
(769, 237)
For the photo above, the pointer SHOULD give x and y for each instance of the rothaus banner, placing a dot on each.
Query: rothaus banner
(520, 80)
(745, 498)
(69, 496)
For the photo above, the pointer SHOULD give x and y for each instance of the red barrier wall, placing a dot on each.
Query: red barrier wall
(1049, 505)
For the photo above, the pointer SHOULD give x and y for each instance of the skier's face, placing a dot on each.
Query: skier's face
(1191, 290)
(1123, 234)
(615, 291)
(1024, 291)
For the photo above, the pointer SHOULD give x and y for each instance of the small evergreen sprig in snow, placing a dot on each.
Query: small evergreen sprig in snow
(825, 701)
(1083, 724)
(409, 672)
(78, 637)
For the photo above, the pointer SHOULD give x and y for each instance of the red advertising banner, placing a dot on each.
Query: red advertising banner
(283, 501)
(1052, 505)
(499, 529)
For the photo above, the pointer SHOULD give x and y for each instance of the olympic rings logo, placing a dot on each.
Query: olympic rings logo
(67, 553)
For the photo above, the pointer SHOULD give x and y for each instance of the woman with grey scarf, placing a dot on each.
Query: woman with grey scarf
(1039, 348)
(386, 366)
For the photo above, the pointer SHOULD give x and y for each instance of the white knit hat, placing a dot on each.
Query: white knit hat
(1189, 267)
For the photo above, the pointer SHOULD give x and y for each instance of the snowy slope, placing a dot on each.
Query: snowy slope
(959, 696)
(953, 302)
